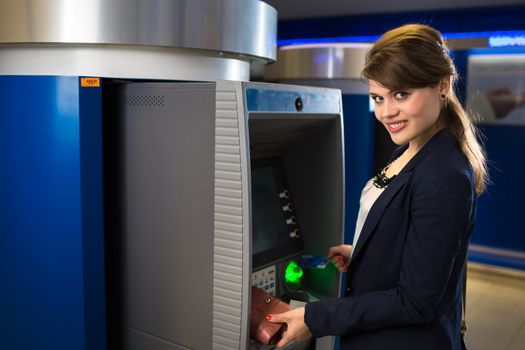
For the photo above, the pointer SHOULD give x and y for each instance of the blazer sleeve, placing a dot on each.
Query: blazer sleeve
(440, 215)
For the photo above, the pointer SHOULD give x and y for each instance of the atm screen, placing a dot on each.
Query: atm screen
(275, 228)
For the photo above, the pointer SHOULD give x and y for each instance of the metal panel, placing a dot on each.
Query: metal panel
(319, 61)
(246, 27)
(119, 61)
(231, 253)
(168, 216)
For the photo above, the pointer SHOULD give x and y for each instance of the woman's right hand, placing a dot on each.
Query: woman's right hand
(340, 256)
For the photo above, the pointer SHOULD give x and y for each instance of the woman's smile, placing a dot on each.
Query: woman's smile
(394, 127)
(411, 115)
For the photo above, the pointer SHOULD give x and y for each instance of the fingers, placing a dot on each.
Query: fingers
(280, 318)
(284, 340)
(344, 249)
(333, 251)
(277, 318)
(340, 263)
(339, 260)
(341, 266)
(296, 329)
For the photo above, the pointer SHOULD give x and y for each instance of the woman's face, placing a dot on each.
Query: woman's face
(409, 115)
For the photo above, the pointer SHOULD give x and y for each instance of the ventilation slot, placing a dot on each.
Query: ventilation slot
(144, 100)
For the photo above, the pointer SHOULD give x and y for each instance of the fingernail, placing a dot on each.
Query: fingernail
(268, 317)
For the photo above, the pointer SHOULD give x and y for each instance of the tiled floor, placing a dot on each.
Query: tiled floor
(495, 310)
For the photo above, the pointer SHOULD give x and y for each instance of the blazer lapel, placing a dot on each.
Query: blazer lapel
(442, 139)
(377, 210)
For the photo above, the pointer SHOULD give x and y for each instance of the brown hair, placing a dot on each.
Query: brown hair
(416, 56)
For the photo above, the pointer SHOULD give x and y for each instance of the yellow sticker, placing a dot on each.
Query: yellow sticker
(90, 82)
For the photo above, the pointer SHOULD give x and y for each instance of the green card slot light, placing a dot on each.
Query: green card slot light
(293, 274)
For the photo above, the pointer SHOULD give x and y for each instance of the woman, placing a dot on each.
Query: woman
(416, 217)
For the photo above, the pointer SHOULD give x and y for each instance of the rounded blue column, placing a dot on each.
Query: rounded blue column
(44, 294)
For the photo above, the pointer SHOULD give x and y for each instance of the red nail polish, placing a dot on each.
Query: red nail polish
(268, 317)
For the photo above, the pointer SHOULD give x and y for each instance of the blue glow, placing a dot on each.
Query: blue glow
(466, 35)
(496, 38)
(497, 51)
(506, 41)
(347, 39)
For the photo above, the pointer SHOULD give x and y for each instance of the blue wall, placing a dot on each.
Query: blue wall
(499, 217)
(47, 169)
(500, 18)
(359, 129)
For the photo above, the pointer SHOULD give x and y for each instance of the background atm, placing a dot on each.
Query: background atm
(214, 187)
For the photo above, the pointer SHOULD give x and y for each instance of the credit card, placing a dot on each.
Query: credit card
(313, 262)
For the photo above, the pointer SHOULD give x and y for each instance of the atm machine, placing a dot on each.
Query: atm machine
(216, 187)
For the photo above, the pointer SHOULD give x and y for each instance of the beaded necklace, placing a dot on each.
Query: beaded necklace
(381, 180)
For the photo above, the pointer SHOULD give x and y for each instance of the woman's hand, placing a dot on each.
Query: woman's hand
(296, 328)
(340, 256)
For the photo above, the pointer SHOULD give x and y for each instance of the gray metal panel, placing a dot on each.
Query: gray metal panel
(168, 133)
(247, 27)
(136, 340)
(121, 61)
(232, 221)
(339, 61)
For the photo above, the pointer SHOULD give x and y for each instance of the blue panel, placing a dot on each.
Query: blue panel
(41, 241)
(359, 129)
(266, 100)
(500, 209)
(92, 216)
(51, 269)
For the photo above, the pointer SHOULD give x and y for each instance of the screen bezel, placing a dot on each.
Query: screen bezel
(292, 246)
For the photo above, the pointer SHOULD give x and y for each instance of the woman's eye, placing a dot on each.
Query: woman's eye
(400, 95)
(377, 99)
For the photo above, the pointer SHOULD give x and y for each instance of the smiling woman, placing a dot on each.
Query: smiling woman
(410, 115)
(411, 77)
(406, 264)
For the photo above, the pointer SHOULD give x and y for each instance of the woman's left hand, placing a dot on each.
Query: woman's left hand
(296, 328)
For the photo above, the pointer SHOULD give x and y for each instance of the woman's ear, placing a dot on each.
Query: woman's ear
(444, 86)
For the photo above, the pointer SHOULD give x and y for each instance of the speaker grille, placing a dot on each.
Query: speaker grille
(144, 100)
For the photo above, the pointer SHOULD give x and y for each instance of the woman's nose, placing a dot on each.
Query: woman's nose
(389, 109)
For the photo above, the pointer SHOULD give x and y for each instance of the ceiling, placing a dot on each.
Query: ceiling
(295, 9)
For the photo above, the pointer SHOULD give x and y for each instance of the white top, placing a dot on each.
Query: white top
(369, 196)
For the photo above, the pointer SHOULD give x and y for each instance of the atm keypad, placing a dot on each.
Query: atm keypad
(265, 279)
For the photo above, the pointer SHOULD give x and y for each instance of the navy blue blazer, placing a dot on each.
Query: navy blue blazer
(404, 282)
